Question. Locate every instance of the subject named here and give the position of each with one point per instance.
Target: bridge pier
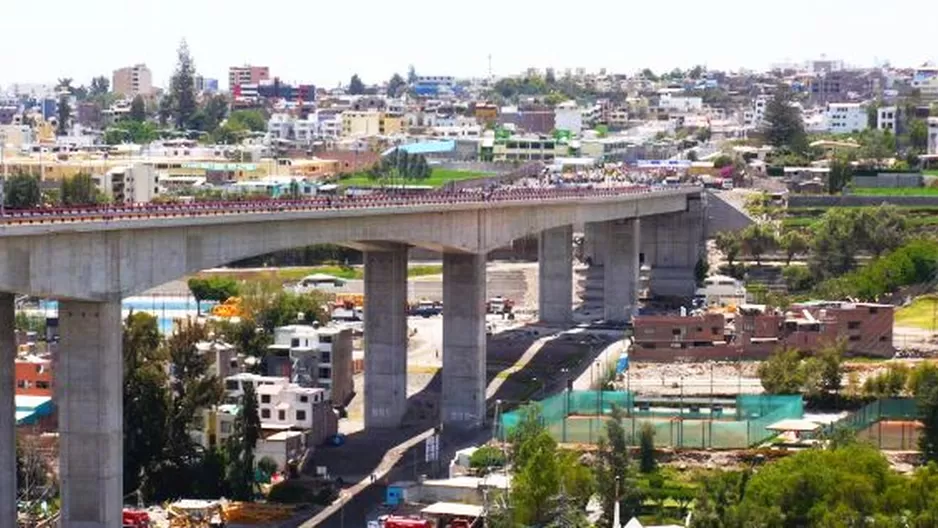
(592, 282)
(89, 398)
(7, 411)
(464, 297)
(385, 336)
(555, 275)
(672, 244)
(620, 283)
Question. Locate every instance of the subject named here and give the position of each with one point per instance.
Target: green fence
(889, 423)
(580, 417)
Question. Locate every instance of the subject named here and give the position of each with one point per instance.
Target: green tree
(824, 372)
(793, 243)
(722, 161)
(835, 242)
(411, 75)
(784, 126)
(782, 373)
(613, 470)
(80, 189)
(882, 229)
(728, 243)
(182, 88)
(646, 443)
(138, 109)
(240, 446)
(926, 399)
(100, 85)
(841, 173)
(649, 75)
(918, 134)
(216, 288)
(289, 308)
(210, 114)
(692, 155)
(64, 115)
(487, 457)
(395, 85)
(254, 120)
(21, 191)
(146, 397)
(758, 239)
(356, 86)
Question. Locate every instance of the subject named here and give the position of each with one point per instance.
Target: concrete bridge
(90, 259)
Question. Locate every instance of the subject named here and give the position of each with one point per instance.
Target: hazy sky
(325, 42)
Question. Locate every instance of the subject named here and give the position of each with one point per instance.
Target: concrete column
(591, 280)
(89, 398)
(7, 412)
(555, 275)
(622, 267)
(672, 245)
(385, 336)
(464, 311)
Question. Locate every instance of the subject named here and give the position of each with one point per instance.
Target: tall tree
(217, 289)
(926, 398)
(64, 115)
(757, 239)
(614, 472)
(395, 85)
(138, 110)
(728, 243)
(182, 88)
(841, 173)
(21, 191)
(918, 134)
(782, 373)
(146, 397)
(80, 189)
(411, 75)
(784, 126)
(793, 243)
(240, 447)
(99, 86)
(356, 86)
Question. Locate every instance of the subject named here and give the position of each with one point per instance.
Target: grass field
(919, 314)
(898, 191)
(345, 272)
(437, 178)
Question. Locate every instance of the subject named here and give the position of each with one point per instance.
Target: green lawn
(437, 178)
(897, 191)
(920, 314)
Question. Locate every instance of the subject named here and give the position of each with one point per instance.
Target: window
(300, 416)
(325, 373)
(325, 338)
(22, 384)
(874, 310)
(295, 342)
(281, 415)
(853, 325)
(42, 384)
(883, 339)
(231, 385)
(226, 428)
(325, 357)
(715, 330)
(265, 398)
(650, 346)
(304, 399)
(265, 414)
(854, 338)
(676, 331)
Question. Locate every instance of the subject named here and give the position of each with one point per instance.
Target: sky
(324, 42)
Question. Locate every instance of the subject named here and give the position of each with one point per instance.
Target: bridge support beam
(592, 279)
(7, 412)
(620, 283)
(385, 336)
(672, 244)
(464, 297)
(555, 275)
(89, 392)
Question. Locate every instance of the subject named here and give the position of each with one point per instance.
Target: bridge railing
(111, 212)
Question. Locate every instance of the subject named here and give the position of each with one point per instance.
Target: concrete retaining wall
(860, 201)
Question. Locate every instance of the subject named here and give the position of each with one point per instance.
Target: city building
(434, 85)
(223, 358)
(247, 74)
(33, 376)
(680, 103)
(721, 290)
(370, 123)
(846, 118)
(131, 184)
(925, 80)
(132, 81)
(533, 120)
(285, 405)
(529, 148)
(886, 118)
(933, 135)
(568, 117)
(314, 357)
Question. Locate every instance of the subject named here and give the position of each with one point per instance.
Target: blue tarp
(425, 147)
(623, 364)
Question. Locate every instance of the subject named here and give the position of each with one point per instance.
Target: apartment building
(846, 118)
(132, 81)
(247, 74)
(568, 116)
(529, 148)
(925, 80)
(33, 376)
(754, 332)
(132, 184)
(674, 103)
(280, 403)
(370, 123)
(533, 120)
(886, 118)
(314, 357)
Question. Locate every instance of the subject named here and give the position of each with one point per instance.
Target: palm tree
(65, 84)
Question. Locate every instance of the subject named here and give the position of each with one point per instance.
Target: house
(314, 357)
(846, 118)
(721, 290)
(886, 117)
(132, 184)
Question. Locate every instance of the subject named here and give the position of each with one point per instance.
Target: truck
(426, 308)
(501, 306)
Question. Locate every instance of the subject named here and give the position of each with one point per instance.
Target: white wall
(845, 118)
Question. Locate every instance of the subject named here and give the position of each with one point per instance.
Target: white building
(755, 116)
(280, 126)
(925, 79)
(933, 135)
(279, 402)
(569, 117)
(846, 118)
(680, 103)
(886, 117)
(721, 290)
(317, 357)
(132, 184)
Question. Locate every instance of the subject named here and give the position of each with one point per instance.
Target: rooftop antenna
(490, 67)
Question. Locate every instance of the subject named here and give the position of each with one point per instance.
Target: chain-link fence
(580, 417)
(888, 423)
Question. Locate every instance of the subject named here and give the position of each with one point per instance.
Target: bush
(295, 492)
(798, 278)
(487, 457)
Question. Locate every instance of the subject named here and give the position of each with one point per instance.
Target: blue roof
(426, 147)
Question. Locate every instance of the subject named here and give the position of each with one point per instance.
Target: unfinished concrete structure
(91, 265)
